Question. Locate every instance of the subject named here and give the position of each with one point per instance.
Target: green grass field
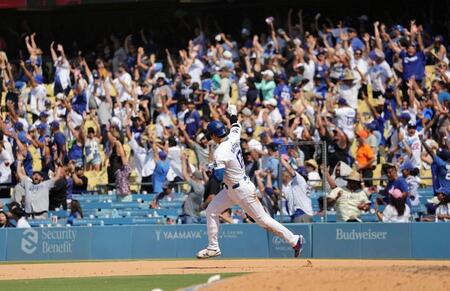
(120, 283)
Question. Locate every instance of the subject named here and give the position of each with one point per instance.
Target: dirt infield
(271, 274)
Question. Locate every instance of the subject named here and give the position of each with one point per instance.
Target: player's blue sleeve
(219, 174)
(439, 162)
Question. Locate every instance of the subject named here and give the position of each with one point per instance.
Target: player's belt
(236, 185)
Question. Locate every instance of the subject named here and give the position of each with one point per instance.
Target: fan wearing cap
(253, 143)
(377, 124)
(282, 92)
(95, 87)
(41, 141)
(76, 151)
(143, 158)
(224, 90)
(199, 145)
(351, 200)
(380, 75)
(314, 179)
(355, 41)
(247, 119)
(410, 174)
(411, 146)
(163, 119)
(397, 210)
(280, 139)
(91, 144)
(38, 92)
(374, 139)
(413, 58)
(62, 73)
(58, 139)
(192, 119)
(399, 124)
(348, 89)
(271, 112)
(267, 85)
(320, 87)
(309, 68)
(21, 143)
(43, 119)
(365, 157)
(36, 189)
(345, 117)
(440, 166)
(162, 164)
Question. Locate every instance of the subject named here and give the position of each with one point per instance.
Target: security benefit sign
(48, 243)
(362, 240)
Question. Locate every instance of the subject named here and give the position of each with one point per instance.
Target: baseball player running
(229, 168)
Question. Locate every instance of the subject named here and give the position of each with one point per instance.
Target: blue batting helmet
(217, 128)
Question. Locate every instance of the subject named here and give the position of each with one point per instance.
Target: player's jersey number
(240, 159)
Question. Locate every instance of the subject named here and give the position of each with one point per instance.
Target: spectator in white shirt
(62, 74)
(36, 190)
(350, 200)
(314, 179)
(397, 210)
(19, 215)
(360, 65)
(6, 159)
(273, 112)
(379, 74)
(143, 159)
(443, 209)
(345, 117)
(297, 193)
(123, 84)
(348, 89)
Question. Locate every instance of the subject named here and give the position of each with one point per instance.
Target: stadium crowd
(377, 97)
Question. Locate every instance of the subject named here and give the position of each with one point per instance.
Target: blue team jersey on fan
(441, 173)
(282, 92)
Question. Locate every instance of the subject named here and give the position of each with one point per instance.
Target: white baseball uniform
(238, 190)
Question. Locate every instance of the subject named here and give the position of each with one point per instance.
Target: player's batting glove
(232, 109)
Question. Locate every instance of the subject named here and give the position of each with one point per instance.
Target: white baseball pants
(245, 197)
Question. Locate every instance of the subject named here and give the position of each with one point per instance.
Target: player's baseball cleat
(298, 247)
(206, 254)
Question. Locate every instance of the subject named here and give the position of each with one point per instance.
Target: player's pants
(245, 197)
